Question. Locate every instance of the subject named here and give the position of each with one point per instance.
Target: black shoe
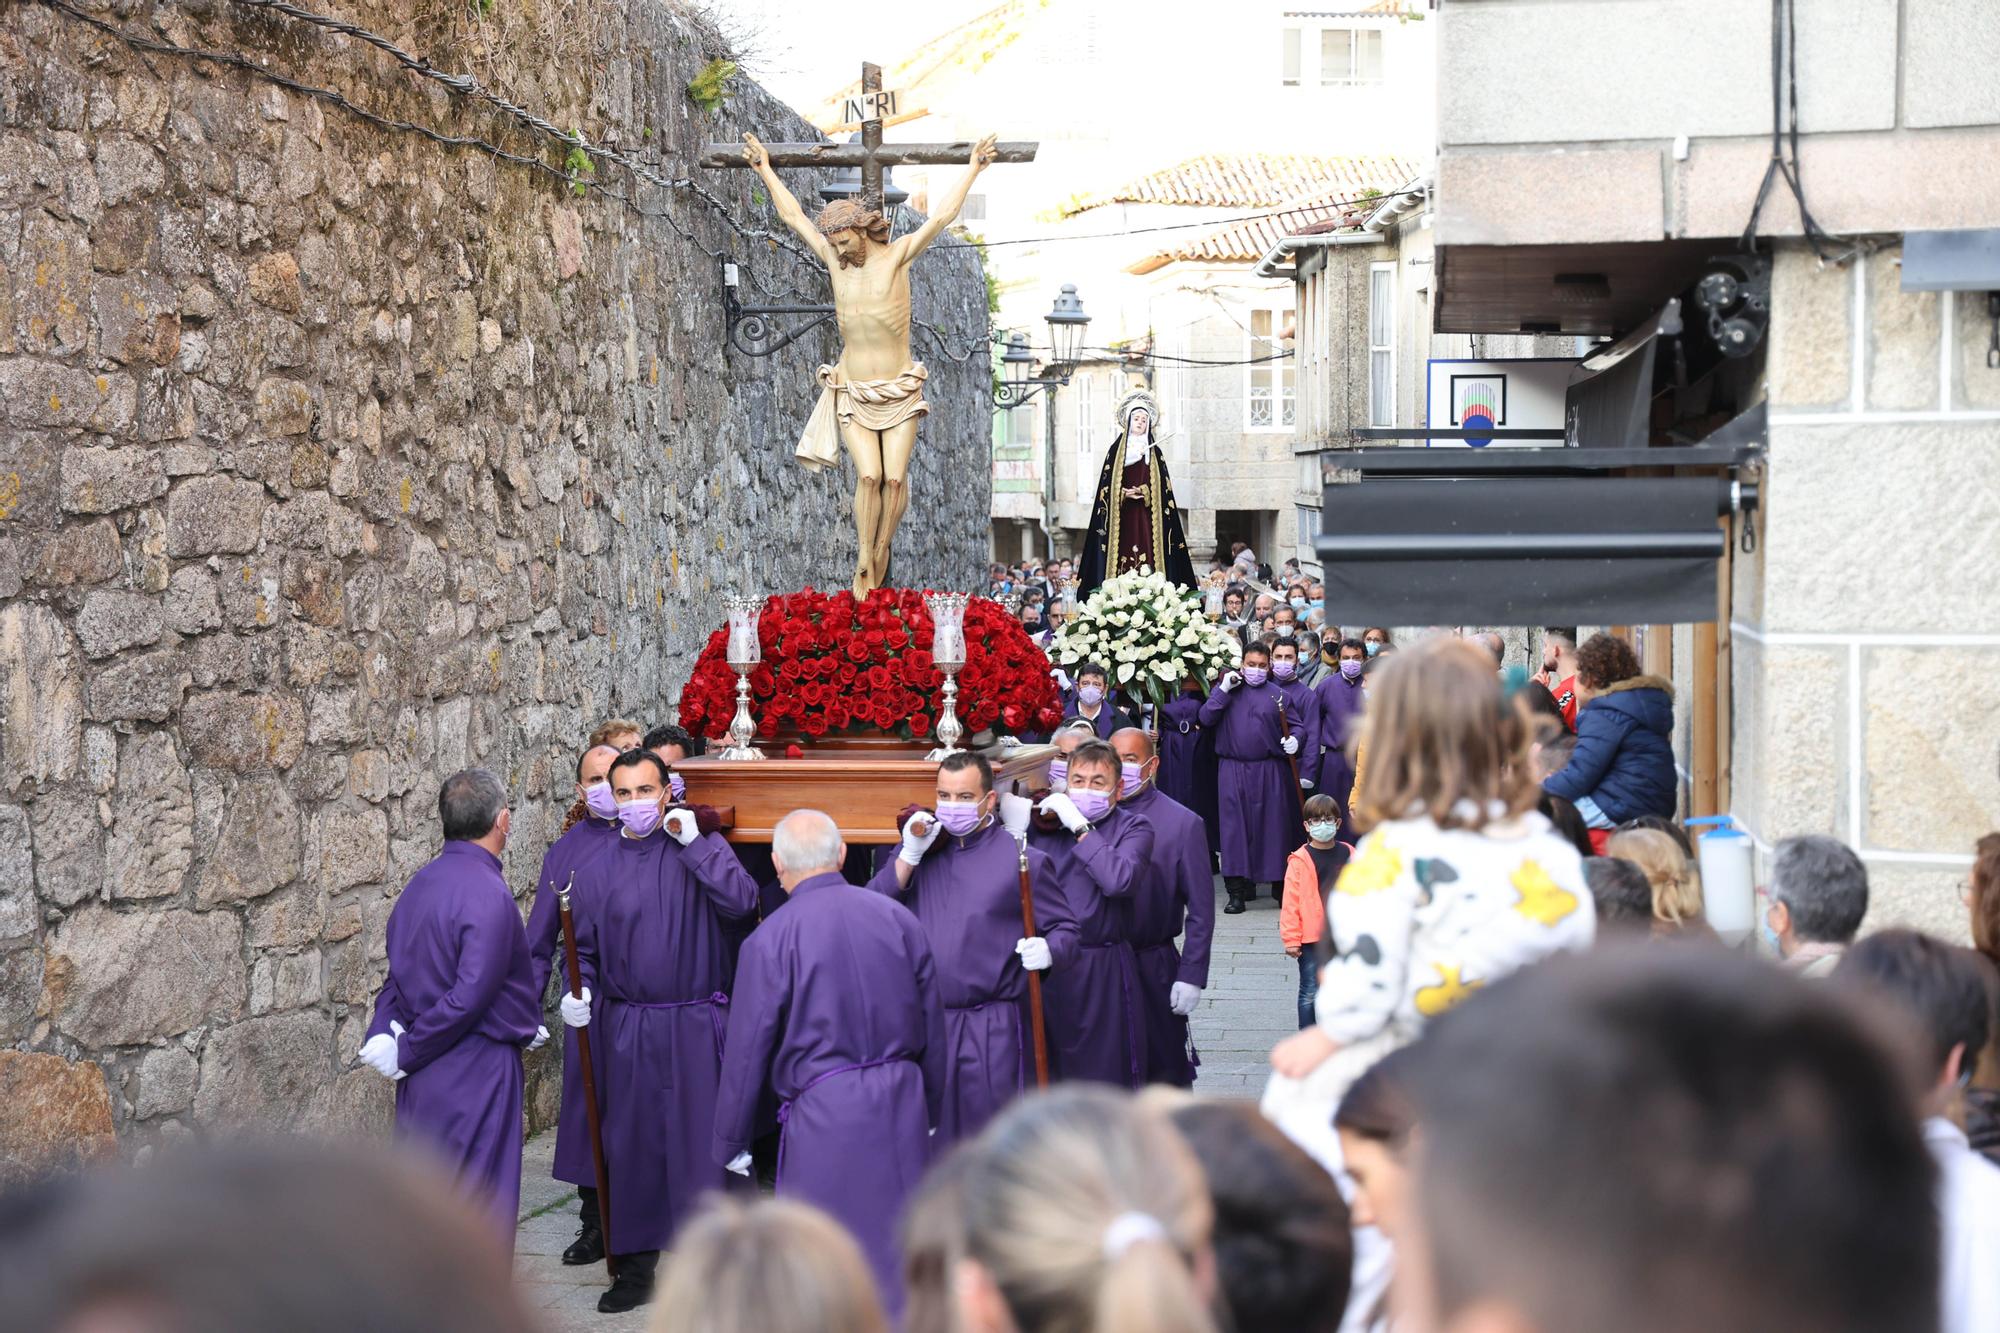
(626, 1294)
(587, 1248)
(1235, 905)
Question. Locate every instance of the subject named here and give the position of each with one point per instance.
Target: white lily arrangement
(1149, 633)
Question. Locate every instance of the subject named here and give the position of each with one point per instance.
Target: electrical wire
(1784, 91)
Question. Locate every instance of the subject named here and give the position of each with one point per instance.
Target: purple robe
(1340, 704)
(1109, 717)
(1177, 892)
(966, 895)
(572, 853)
(1092, 997)
(460, 984)
(837, 1010)
(1187, 761)
(1257, 805)
(653, 946)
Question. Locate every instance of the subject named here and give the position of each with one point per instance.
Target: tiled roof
(1253, 180)
(1247, 240)
(925, 75)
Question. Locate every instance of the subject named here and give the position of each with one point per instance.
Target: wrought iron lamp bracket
(754, 330)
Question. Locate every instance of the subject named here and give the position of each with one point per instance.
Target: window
(1350, 57)
(1294, 56)
(1085, 419)
(1382, 344)
(1272, 403)
(1021, 425)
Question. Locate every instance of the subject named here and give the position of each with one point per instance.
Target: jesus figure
(875, 391)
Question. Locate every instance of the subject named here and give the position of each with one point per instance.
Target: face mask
(1372, 647)
(641, 817)
(1317, 603)
(1090, 695)
(1299, 605)
(600, 802)
(1284, 631)
(959, 817)
(1092, 805)
(1322, 830)
(1058, 774)
(1255, 675)
(1131, 777)
(1284, 670)
(1351, 669)
(677, 786)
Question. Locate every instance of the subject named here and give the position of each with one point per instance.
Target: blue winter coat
(1624, 756)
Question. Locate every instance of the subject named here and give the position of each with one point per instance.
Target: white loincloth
(873, 404)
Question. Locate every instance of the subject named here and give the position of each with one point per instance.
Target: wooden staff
(589, 1079)
(1285, 729)
(1036, 1017)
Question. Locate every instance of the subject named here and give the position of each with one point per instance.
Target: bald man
(593, 835)
(837, 1011)
(1175, 892)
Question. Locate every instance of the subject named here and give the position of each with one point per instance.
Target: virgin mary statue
(1134, 522)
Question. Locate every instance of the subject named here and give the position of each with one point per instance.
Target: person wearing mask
(1559, 670)
(1337, 701)
(594, 837)
(1310, 873)
(836, 1011)
(653, 943)
(458, 1004)
(1819, 895)
(1375, 641)
(674, 744)
(1623, 764)
(1077, 1211)
(1310, 665)
(959, 872)
(1256, 802)
(767, 1267)
(1458, 882)
(1284, 624)
(1940, 993)
(1735, 1149)
(1301, 713)
(1099, 854)
(1176, 896)
(1676, 884)
(1092, 702)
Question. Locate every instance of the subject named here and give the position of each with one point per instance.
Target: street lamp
(1019, 382)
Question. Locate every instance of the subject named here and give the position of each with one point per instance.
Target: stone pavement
(1250, 1003)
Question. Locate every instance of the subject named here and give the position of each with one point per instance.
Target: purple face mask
(1090, 695)
(677, 786)
(641, 817)
(1058, 774)
(1351, 669)
(600, 802)
(1131, 777)
(1255, 675)
(1092, 805)
(958, 817)
(1284, 670)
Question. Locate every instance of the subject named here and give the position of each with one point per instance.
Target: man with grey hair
(459, 1003)
(1819, 893)
(837, 1011)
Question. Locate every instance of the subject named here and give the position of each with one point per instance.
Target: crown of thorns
(847, 215)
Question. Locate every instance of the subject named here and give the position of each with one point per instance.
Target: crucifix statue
(872, 397)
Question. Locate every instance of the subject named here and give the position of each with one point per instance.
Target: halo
(1137, 398)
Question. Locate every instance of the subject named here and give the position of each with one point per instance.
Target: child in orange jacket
(1309, 873)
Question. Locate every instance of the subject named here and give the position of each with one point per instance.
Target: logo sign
(859, 108)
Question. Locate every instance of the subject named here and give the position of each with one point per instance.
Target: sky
(802, 50)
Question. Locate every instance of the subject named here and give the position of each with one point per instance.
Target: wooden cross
(871, 154)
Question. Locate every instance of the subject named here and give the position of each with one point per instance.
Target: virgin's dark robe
(967, 896)
(461, 985)
(1125, 534)
(836, 1010)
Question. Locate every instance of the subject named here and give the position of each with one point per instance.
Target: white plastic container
(1728, 885)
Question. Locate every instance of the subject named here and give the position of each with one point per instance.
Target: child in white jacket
(1466, 883)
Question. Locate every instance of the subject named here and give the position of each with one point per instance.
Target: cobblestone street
(1248, 1005)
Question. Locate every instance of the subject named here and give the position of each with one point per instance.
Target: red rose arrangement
(832, 663)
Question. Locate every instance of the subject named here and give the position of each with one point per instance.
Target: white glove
(576, 1009)
(1306, 783)
(1182, 998)
(1290, 745)
(1062, 807)
(916, 844)
(739, 1164)
(541, 1039)
(1060, 677)
(379, 1054)
(1231, 680)
(680, 823)
(1035, 955)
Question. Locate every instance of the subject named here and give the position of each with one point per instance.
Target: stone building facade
(333, 460)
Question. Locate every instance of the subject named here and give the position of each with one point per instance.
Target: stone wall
(333, 460)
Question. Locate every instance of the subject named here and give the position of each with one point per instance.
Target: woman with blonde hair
(1078, 1210)
(1677, 906)
(767, 1267)
(1459, 881)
